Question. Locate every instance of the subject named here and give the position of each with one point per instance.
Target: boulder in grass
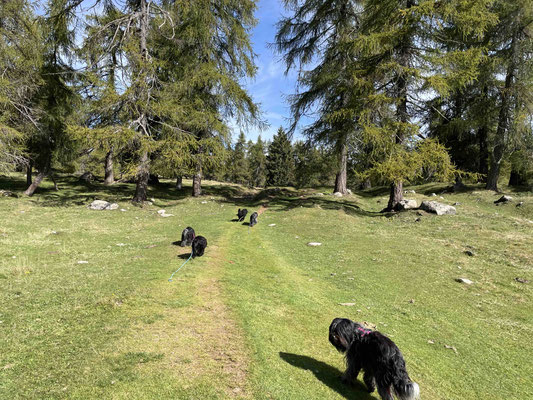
(103, 205)
(337, 194)
(438, 208)
(503, 199)
(406, 204)
(314, 244)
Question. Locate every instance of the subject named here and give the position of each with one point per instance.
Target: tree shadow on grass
(328, 375)
(348, 207)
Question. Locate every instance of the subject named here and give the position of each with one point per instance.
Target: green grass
(250, 318)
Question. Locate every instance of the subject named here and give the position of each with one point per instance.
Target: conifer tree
(56, 97)
(20, 63)
(280, 160)
(240, 169)
(315, 35)
(258, 163)
(399, 60)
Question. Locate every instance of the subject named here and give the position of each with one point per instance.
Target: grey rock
(409, 192)
(406, 204)
(520, 204)
(469, 253)
(314, 244)
(464, 280)
(438, 208)
(103, 205)
(433, 195)
(337, 194)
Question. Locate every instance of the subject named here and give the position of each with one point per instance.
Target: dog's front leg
(368, 378)
(350, 375)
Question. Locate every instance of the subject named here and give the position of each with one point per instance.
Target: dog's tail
(407, 390)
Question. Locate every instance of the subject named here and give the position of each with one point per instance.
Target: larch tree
(20, 63)
(280, 160)
(513, 45)
(56, 97)
(258, 163)
(399, 60)
(313, 40)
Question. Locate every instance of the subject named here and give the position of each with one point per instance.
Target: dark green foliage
(280, 160)
(258, 163)
(239, 164)
(314, 166)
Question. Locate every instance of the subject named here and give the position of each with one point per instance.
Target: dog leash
(170, 279)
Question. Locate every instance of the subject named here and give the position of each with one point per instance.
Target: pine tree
(316, 34)
(280, 160)
(511, 40)
(20, 63)
(240, 172)
(57, 98)
(399, 59)
(258, 163)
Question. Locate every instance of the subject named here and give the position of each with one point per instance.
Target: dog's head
(342, 332)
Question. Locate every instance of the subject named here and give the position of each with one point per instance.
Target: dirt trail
(200, 341)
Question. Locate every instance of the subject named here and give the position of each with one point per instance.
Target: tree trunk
(197, 181)
(483, 162)
(517, 177)
(52, 176)
(109, 177)
(179, 182)
(396, 195)
(402, 114)
(503, 121)
(143, 173)
(35, 184)
(366, 184)
(341, 177)
(29, 169)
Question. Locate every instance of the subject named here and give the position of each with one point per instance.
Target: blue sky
(270, 86)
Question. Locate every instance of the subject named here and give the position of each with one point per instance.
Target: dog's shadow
(177, 243)
(246, 223)
(235, 220)
(184, 256)
(328, 375)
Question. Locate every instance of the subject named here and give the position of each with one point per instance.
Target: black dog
(377, 355)
(187, 236)
(253, 219)
(241, 214)
(198, 246)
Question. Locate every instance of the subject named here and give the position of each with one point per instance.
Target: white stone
(99, 205)
(347, 304)
(407, 204)
(438, 208)
(161, 212)
(314, 244)
(272, 225)
(83, 262)
(337, 194)
(464, 280)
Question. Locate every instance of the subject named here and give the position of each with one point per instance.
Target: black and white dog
(253, 219)
(241, 214)
(198, 246)
(187, 236)
(377, 355)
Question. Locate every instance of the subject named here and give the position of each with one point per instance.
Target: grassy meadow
(87, 311)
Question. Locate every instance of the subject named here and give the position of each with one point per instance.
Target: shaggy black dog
(253, 219)
(377, 355)
(198, 246)
(187, 236)
(241, 214)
